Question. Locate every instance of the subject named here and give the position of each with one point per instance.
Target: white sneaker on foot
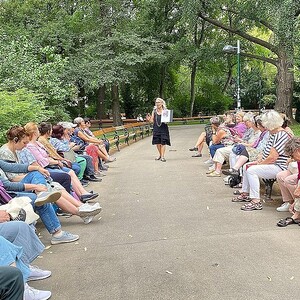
(226, 181)
(211, 168)
(90, 210)
(88, 219)
(33, 294)
(66, 237)
(37, 274)
(209, 162)
(47, 197)
(284, 206)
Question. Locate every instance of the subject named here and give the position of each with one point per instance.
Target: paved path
(169, 232)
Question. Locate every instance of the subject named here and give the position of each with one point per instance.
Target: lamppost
(231, 49)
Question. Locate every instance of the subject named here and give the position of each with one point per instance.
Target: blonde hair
(31, 128)
(163, 102)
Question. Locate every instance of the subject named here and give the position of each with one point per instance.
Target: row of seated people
(45, 165)
(256, 147)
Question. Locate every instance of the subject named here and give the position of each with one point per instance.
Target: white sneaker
(226, 180)
(32, 294)
(66, 237)
(209, 162)
(211, 168)
(88, 211)
(47, 197)
(284, 206)
(88, 219)
(37, 274)
(89, 207)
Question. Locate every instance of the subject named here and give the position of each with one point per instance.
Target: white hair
(249, 116)
(272, 120)
(78, 120)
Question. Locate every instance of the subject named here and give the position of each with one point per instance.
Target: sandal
(237, 192)
(252, 206)
(238, 186)
(242, 197)
(197, 155)
(287, 221)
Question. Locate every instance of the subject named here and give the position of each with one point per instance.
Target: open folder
(167, 116)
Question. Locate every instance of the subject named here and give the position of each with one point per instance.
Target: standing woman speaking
(161, 136)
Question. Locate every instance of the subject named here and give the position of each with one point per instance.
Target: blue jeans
(214, 148)
(46, 212)
(61, 177)
(89, 170)
(76, 168)
(34, 177)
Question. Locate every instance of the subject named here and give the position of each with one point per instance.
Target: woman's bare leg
(201, 139)
(162, 150)
(159, 149)
(67, 206)
(76, 184)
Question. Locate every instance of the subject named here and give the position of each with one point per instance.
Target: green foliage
(25, 65)
(20, 107)
(64, 50)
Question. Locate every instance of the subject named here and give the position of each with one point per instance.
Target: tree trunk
(162, 81)
(193, 77)
(81, 100)
(285, 84)
(101, 103)
(116, 105)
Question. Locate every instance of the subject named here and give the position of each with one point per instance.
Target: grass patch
(296, 129)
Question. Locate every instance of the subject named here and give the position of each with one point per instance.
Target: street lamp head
(229, 49)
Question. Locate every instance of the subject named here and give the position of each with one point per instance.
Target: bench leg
(118, 144)
(268, 190)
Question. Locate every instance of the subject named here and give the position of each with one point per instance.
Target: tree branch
(263, 22)
(266, 59)
(240, 33)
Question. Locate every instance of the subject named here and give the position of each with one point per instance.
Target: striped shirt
(277, 141)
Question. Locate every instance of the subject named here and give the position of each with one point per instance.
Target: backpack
(4, 196)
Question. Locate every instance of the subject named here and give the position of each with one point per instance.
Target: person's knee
(11, 283)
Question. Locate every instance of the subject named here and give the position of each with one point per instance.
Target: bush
(19, 108)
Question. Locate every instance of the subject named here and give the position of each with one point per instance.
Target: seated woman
(34, 181)
(60, 140)
(273, 161)
(21, 246)
(17, 180)
(287, 181)
(94, 147)
(46, 156)
(205, 137)
(221, 137)
(250, 153)
(289, 185)
(88, 124)
(249, 137)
